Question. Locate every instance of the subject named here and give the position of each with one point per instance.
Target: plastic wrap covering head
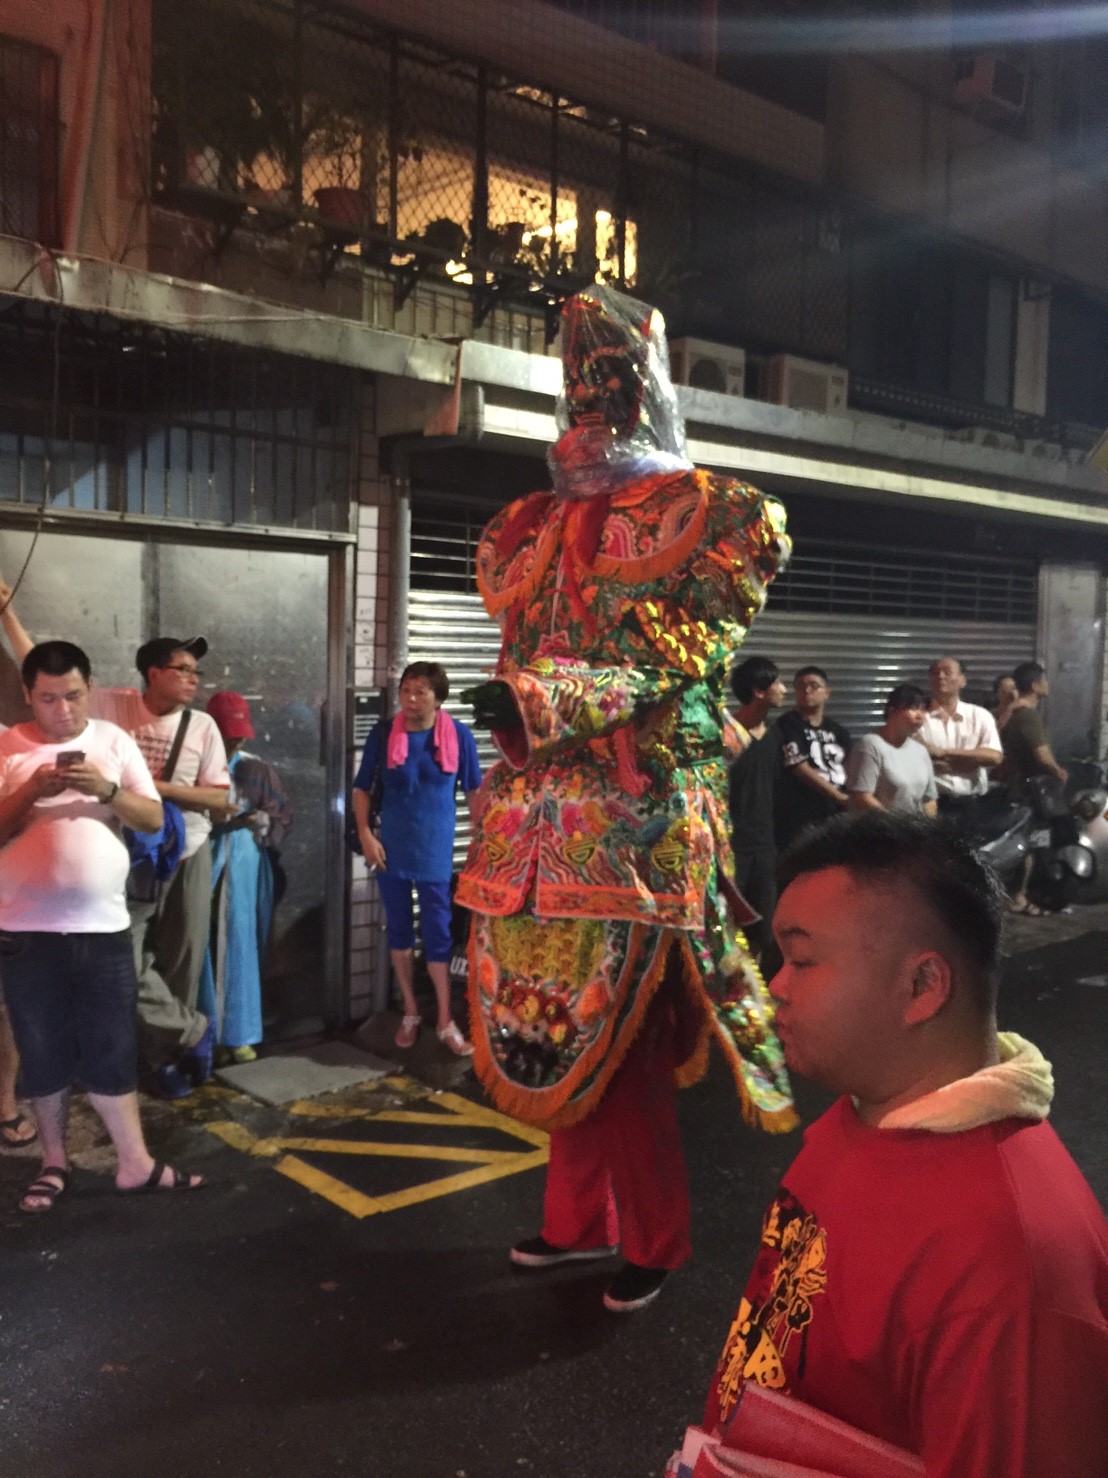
(618, 413)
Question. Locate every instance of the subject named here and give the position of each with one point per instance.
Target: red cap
(232, 715)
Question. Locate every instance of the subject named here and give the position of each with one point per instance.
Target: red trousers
(619, 1175)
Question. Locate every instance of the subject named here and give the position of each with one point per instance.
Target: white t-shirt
(968, 727)
(66, 871)
(203, 759)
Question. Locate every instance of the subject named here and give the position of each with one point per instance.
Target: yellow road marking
(457, 1112)
(400, 1151)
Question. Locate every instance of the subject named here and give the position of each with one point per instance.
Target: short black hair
(890, 847)
(55, 659)
(435, 675)
(1026, 675)
(905, 695)
(161, 649)
(754, 675)
(812, 671)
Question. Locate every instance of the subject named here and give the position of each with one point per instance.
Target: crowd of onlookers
(934, 754)
(130, 824)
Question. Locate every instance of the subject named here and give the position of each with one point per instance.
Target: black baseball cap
(157, 653)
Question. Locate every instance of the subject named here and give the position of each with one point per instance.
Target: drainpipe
(400, 555)
(400, 559)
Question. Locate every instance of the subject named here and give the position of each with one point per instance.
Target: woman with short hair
(410, 773)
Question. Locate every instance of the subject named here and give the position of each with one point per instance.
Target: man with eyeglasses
(170, 930)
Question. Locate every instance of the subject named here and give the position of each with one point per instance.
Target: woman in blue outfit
(245, 839)
(410, 772)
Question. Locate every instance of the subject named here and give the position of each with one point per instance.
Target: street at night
(519, 519)
(258, 1328)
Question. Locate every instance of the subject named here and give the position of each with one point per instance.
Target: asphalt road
(262, 1328)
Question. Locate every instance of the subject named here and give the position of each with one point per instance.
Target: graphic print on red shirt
(776, 1309)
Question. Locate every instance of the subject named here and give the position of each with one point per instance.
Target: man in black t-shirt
(751, 785)
(813, 756)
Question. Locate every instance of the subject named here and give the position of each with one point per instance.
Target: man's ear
(931, 984)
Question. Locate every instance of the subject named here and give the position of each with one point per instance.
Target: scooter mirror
(1089, 804)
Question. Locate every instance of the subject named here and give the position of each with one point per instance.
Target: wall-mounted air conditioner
(996, 441)
(707, 366)
(1046, 451)
(805, 384)
(991, 83)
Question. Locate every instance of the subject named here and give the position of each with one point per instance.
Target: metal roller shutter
(871, 617)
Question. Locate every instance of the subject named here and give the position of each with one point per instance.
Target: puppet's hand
(493, 706)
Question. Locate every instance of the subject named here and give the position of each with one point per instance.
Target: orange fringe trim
(565, 527)
(547, 540)
(547, 1108)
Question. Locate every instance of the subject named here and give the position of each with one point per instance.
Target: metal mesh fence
(314, 130)
(290, 119)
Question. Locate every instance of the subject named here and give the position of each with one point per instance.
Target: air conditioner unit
(707, 366)
(991, 83)
(805, 384)
(1046, 451)
(996, 441)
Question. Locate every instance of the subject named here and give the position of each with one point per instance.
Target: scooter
(1066, 838)
(1075, 867)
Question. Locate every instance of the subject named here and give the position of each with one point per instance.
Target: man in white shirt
(961, 738)
(68, 784)
(171, 931)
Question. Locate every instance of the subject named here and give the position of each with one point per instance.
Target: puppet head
(618, 411)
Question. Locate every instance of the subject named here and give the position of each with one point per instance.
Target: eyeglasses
(188, 671)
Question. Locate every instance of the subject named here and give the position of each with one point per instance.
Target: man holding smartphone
(185, 754)
(68, 784)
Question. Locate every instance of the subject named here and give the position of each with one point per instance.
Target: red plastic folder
(771, 1435)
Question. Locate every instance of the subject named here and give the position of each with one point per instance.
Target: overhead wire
(54, 415)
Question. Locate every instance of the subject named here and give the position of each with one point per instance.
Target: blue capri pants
(434, 916)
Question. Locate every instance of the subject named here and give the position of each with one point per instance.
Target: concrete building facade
(282, 278)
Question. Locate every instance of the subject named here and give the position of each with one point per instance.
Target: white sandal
(409, 1030)
(452, 1039)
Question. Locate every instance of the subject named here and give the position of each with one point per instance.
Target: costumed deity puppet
(604, 948)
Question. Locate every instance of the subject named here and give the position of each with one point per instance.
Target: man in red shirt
(934, 1267)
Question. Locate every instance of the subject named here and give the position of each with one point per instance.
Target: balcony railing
(301, 124)
(275, 116)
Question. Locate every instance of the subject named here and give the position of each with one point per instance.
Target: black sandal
(9, 1128)
(43, 1189)
(180, 1182)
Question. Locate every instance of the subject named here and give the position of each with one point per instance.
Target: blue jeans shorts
(73, 1004)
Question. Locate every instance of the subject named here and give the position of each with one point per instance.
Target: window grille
(169, 426)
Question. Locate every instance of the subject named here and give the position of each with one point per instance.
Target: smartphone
(67, 757)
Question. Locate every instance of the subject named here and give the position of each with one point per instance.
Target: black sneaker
(633, 1288)
(537, 1252)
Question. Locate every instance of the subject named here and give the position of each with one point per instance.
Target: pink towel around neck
(444, 740)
